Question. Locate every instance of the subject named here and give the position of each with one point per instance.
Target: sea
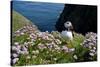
(44, 15)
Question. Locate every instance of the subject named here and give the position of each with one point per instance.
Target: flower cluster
(91, 43)
(43, 47)
(18, 49)
(26, 29)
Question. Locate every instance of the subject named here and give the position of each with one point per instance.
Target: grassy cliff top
(18, 21)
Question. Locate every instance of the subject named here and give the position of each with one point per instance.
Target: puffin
(68, 32)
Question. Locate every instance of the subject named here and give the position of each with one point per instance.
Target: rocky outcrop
(83, 18)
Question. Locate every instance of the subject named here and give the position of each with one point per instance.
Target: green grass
(21, 39)
(18, 21)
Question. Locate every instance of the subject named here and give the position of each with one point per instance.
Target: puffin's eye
(67, 23)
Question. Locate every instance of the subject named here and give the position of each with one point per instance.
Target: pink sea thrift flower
(41, 46)
(49, 45)
(14, 48)
(24, 48)
(58, 41)
(15, 60)
(15, 55)
(33, 36)
(65, 48)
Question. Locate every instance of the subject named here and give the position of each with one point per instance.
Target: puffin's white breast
(67, 34)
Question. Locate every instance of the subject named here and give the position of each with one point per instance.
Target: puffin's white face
(67, 24)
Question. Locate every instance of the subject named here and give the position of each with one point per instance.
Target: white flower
(15, 60)
(58, 41)
(94, 48)
(33, 36)
(55, 59)
(51, 36)
(72, 49)
(57, 48)
(93, 51)
(75, 57)
(22, 33)
(28, 57)
(34, 56)
(81, 44)
(91, 54)
(16, 43)
(15, 55)
(26, 44)
(65, 48)
(45, 38)
(32, 40)
(41, 46)
(14, 48)
(24, 52)
(90, 47)
(40, 34)
(35, 52)
(53, 43)
(18, 31)
(19, 51)
(33, 44)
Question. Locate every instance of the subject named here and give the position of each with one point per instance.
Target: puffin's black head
(68, 25)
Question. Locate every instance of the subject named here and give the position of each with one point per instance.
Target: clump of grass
(21, 39)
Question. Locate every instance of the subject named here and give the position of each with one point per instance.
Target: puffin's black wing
(71, 28)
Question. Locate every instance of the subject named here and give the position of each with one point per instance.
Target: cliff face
(83, 18)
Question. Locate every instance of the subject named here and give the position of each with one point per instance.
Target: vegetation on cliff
(32, 47)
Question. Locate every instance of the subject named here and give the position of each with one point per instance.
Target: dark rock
(83, 18)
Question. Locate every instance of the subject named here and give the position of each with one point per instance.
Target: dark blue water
(44, 15)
